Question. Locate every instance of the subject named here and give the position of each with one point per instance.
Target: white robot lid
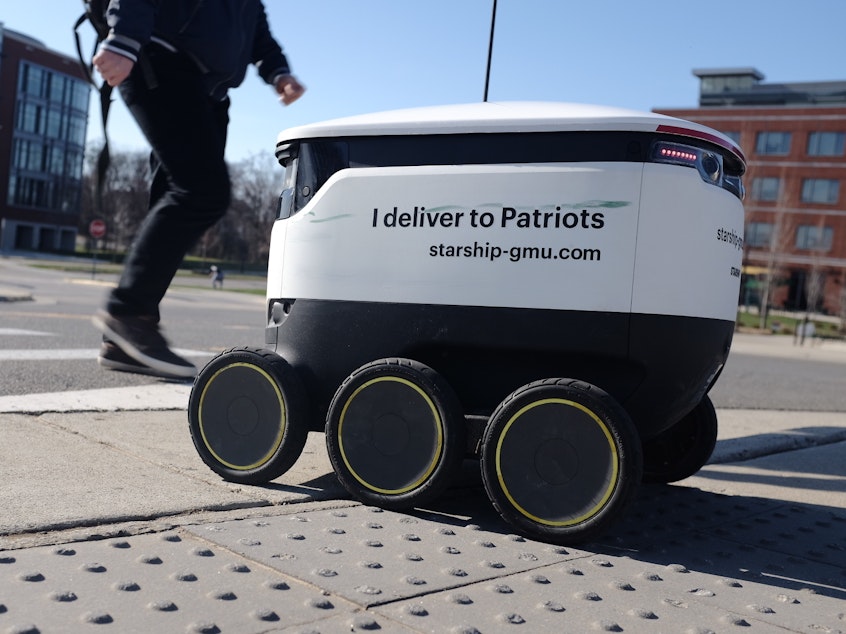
(500, 117)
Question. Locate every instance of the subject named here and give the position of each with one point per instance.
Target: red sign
(97, 228)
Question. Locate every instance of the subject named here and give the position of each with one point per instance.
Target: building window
(32, 80)
(766, 188)
(76, 129)
(73, 165)
(814, 238)
(55, 160)
(30, 192)
(29, 118)
(35, 161)
(820, 190)
(53, 127)
(758, 234)
(826, 143)
(777, 143)
(57, 88)
(79, 96)
(28, 155)
(734, 136)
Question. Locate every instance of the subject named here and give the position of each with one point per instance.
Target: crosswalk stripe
(71, 354)
(20, 332)
(160, 396)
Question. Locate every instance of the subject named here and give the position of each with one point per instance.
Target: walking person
(173, 62)
(216, 274)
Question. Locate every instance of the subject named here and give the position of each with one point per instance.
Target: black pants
(190, 191)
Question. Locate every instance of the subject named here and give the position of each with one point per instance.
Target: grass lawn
(786, 325)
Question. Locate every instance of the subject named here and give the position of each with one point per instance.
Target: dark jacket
(222, 36)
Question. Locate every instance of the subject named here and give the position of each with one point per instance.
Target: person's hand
(288, 89)
(113, 68)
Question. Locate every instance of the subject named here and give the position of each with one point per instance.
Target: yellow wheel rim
(612, 448)
(282, 418)
(438, 445)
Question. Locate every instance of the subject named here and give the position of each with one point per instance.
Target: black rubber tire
(395, 434)
(683, 449)
(247, 415)
(561, 460)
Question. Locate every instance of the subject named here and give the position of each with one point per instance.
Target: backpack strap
(103, 158)
(102, 29)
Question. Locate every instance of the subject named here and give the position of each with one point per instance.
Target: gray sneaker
(140, 340)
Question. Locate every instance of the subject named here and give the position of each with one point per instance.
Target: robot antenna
(490, 51)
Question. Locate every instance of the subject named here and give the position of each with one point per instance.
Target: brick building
(44, 100)
(793, 136)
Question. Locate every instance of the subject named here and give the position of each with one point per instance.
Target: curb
(734, 450)
(5, 297)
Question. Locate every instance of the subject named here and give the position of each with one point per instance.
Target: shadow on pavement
(712, 539)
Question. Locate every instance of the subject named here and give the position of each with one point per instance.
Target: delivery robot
(549, 288)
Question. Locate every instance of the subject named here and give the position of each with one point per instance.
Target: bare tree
(843, 308)
(814, 283)
(125, 195)
(775, 256)
(129, 187)
(243, 235)
(257, 185)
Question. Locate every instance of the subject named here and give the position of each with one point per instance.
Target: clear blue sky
(372, 55)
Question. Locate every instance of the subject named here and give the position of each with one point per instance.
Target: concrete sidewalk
(785, 346)
(62, 470)
(105, 514)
